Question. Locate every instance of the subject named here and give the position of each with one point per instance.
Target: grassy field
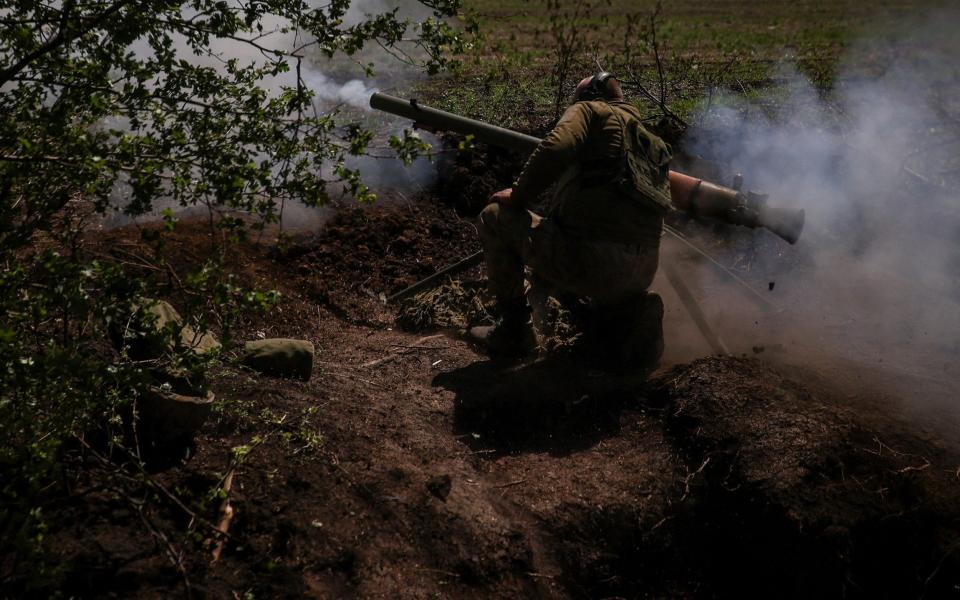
(515, 74)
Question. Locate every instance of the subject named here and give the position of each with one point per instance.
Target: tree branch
(62, 37)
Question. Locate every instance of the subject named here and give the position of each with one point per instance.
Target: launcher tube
(439, 119)
(688, 194)
(682, 187)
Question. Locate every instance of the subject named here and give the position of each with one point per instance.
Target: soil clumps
(410, 467)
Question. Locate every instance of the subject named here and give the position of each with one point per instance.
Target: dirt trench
(725, 479)
(717, 478)
(437, 473)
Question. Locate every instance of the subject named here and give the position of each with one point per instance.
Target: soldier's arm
(553, 155)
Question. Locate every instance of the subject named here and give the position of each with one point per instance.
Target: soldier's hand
(503, 197)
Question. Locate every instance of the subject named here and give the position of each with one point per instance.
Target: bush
(109, 106)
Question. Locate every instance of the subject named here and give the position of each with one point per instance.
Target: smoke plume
(875, 163)
(338, 84)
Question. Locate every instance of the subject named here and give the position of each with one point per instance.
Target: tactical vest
(643, 174)
(620, 192)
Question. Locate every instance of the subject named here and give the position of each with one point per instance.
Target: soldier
(600, 238)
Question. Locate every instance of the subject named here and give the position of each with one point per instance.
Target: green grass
(738, 46)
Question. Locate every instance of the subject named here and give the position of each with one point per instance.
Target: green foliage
(409, 146)
(57, 377)
(112, 105)
(99, 93)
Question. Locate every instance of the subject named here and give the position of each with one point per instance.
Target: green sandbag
(148, 342)
(280, 357)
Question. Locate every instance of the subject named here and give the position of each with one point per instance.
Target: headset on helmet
(595, 90)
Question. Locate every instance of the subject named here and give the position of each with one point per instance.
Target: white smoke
(355, 93)
(876, 165)
(337, 84)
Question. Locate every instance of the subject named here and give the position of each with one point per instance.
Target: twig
(635, 83)
(409, 347)
(660, 523)
(922, 467)
(65, 35)
(690, 476)
(510, 484)
(881, 446)
(150, 482)
(368, 382)
(742, 87)
(471, 453)
(226, 514)
(926, 582)
(656, 52)
(163, 489)
(661, 100)
(713, 82)
(406, 350)
(540, 575)
(120, 261)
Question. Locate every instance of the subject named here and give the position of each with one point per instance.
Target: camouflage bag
(644, 175)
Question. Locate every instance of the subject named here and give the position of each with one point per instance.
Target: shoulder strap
(628, 141)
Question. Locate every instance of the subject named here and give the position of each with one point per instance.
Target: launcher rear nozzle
(749, 209)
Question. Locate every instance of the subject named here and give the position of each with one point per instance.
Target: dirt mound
(801, 484)
(470, 178)
(363, 255)
(743, 483)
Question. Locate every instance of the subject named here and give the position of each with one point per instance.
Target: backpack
(644, 173)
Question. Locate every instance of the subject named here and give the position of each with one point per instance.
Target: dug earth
(411, 467)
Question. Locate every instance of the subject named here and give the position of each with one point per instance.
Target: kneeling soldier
(600, 238)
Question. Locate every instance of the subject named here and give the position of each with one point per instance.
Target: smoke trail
(355, 93)
(337, 84)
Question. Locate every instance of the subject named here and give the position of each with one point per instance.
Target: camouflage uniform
(594, 241)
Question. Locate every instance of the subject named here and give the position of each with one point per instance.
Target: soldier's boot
(512, 337)
(631, 334)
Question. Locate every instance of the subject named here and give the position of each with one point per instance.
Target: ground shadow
(550, 405)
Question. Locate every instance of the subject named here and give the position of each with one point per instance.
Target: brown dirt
(441, 474)
(362, 254)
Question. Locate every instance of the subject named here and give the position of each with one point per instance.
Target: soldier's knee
(490, 212)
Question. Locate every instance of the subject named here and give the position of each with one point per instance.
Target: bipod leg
(693, 309)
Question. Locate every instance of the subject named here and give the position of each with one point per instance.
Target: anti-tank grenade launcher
(695, 196)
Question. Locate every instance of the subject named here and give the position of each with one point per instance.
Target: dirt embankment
(411, 467)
